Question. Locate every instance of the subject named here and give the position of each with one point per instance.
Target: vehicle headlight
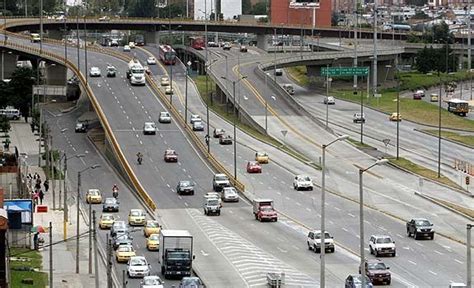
(418, 230)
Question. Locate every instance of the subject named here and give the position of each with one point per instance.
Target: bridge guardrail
(109, 134)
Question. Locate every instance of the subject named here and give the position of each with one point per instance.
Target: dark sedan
(110, 205)
(122, 239)
(185, 187)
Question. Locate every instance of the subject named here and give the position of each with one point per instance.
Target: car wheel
(376, 253)
(394, 254)
(408, 233)
(333, 249)
(415, 235)
(432, 237)
(315, 249)
(310, 188)
(309, 246)
(389, 281)
(371, 250)
(318, 250)
(259, 219)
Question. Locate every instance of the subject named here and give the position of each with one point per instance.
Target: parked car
(302, 182)
(329, 100)
(218, 132)
(137, 266)
(225, 139)
(377, 271)
(149, 128)
(104, 18)
(151, 60)
(314, 241)
(355, 281)
(420, 227)
(152, 282)
(261, 157)
(253, 167)
(110, 205)
(382, 245)
(106, 221)
(358, 117)
(94, 72)
(198, 126)
(170, 156)
(136, 217)
(219, 181)
(229, 194)
(165, 117)
(93, 196)
(185, 187)
(395, 117)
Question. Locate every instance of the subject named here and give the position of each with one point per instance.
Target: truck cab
(263, 210)
(176, 253)
(212, 206)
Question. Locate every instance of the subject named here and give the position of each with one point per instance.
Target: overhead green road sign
(344, 71)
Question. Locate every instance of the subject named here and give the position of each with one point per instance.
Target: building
(282, 13)
(229, 8)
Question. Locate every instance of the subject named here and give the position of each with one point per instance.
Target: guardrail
(105, 124)
(199, 144)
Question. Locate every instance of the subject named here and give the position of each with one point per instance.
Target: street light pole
(439, 126)
(327, 96)
(398, 115)
(361, 217)
(323, 209)
(188, 64)
(469, 260)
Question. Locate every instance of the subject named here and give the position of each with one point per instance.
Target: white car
(382, 245)
(229, 194)
(104, 18)
(278, 72)
(164, 117)
(94, 72)
(126, 48)
(329, 100)
(165, 81)
(131, 44)
(149, 128)
(195, 118)
(151, 281)
(169, 91)
(137, 266)
(151, 61)
(302, 182)
(314, 241)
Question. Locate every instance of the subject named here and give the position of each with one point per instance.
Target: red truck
(263, 210)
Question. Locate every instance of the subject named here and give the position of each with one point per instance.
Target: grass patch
(415, 110)
(40, 278)
(299, 74)
(357, 143)
(220, 109)
(422, 171)
(462, 209)
(417, 80)
(465, 139)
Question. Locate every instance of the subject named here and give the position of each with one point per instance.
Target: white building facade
(229, 8)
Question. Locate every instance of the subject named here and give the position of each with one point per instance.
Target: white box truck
(176, 253)
(136, 72)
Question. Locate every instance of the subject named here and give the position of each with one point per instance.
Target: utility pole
(469, 260)
(41, 26)
(96, 251)
(124, 279)
(356, 18)
(77, 220)
(51, 163)
(50, 254)
(66, 208)
(374, 69)
(90, 237)
(109, 261)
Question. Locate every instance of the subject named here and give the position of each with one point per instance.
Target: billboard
(295, 4)
(23, 206)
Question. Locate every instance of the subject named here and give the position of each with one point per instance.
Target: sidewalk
(64, 253)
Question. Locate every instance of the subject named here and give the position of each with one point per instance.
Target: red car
(254, 167)
(171, 156)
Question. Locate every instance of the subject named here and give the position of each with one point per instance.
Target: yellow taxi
(261, 157)
(395, 117)
(153, 242)
(136, 217)
(124, 252)
(151, 227)
(93, 196)
(106, 221)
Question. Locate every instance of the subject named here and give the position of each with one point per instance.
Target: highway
(172, 135)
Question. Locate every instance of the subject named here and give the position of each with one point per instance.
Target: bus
(167, 55)
(196, 43)
(458, 106)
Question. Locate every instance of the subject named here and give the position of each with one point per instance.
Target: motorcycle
(115, 192)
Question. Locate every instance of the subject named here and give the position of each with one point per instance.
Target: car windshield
(136, 213)
(152, 281)
(261, 154)
(221, 177)
(149, 125)
(137, 262)
(357, 280)
(185, 183)
(93, 192)
(110, 201)
(318, 235)
(107, 217)
(213, 202)
(384, 240)
(376, 266)
(253, 163)
(154, 237)
(125, 248)
(190, 281)
(305, 178)
(164, 114)
(266, 209)
(422, 223)
(230, 190)
(170, 152)
(151, 59)
(152, 224)
(119, 224)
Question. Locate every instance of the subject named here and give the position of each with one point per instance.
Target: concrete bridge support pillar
(262, 41)
(55, 34)
(314, 75)
(151, 37)
(8, 64)
(55, 74)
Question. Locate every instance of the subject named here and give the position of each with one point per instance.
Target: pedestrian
(37, 186)
(36, 176)
(46, 185)
(36, 241)
(35, 197)
(41, 196)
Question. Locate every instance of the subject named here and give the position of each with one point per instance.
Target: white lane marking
(421, 245)
(432, 272)
(436, 251)
(460, 262)
(204, 253)
(352, 215)
(282, 250)
(298, 203)
(414, 263)
(279, 193)
(344, 229)
(400, 236)
(185, 204)
(141, 143)
(179, 197)
(168, 185)
(338, 209)
(309, 210)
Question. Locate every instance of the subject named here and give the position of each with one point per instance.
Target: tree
(260, 8)
(20, 86)
(246, 7)
(424, 60)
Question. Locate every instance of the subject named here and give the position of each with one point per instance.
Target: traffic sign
(284, 132)
(344, 71)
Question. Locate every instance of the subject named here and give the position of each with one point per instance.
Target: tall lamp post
(361, 211)
(77, 211)
(323, 213)
(188, 65)
(235, 120)
(469, 263)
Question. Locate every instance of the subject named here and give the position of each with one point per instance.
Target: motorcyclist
(139, 158)
(115, 190)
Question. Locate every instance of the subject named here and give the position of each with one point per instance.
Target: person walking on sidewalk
(46, 185)
(41, 196)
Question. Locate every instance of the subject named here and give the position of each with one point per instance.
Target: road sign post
(344, 71)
